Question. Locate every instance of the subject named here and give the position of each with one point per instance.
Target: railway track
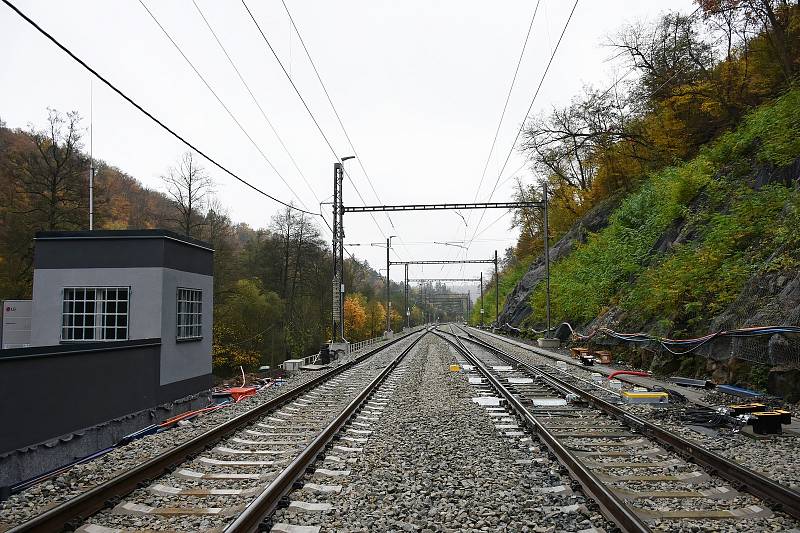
(232, 477)
(639, 473)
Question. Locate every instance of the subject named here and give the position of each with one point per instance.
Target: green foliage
(699, 279)
(733, 233)
(242, 326)
(508, 280)
(585, 281)
(770, 134)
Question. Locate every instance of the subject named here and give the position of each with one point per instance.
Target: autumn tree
(417, 316)
(244, 325)
(774, 20)
(669, 54)
(189, 187)
(376, 318)
(397, 320)
(355, 318)
(219, 232)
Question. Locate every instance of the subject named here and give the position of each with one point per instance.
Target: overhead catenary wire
(227, 109)
(609, 89)
(359, 160)
(308, 109)
(528, 112)
(333, 107)
(508, 98)
(255, 100)
(149, 115)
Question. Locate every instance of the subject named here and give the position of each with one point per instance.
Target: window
(190, 314)
(95, 314)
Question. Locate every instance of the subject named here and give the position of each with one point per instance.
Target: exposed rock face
(784, 382)
(517, 305)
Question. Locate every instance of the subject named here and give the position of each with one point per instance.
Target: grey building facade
(121, 327)
(124, 286)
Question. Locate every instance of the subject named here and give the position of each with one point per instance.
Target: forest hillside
(272, 297)
(675, 197)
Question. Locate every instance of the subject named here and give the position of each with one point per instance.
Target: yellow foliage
(355, 317)
(227, 355)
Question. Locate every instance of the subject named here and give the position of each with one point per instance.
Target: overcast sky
(419, 86)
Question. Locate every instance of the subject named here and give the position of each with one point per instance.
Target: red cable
(629, 373)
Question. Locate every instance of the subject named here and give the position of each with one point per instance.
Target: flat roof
(122, 234)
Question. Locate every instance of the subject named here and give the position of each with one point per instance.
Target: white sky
(419, 86)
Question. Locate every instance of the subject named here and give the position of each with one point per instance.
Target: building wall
(145, 306)
(52, 391)
(185, 359)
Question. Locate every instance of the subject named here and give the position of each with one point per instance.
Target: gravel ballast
(436, 462)
(776, 457)
(82, 477)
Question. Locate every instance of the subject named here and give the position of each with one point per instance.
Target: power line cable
(609, 89)
(530, 107)
(255, 100)
(335, 112)
(341, 124)
(308, 109)
(147, 113)
(508, 98)
(233, 117)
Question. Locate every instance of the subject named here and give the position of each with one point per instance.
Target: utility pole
(496, 293)
(481, 299)
(546, 260)
(408, 311)
(388, 302)
(337, 325)
(91, 155)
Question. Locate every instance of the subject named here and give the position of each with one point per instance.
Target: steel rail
(779, 496)
(265, 503)
(74, 511)
(612, 506)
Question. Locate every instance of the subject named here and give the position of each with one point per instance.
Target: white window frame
(105, 314)
(189, 314)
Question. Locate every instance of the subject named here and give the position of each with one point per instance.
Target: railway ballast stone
(436, 462)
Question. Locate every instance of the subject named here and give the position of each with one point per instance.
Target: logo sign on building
(16, 331)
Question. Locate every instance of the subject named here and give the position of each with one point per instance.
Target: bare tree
(52, 174)
(563, 145)
(189, 186)
(772, 17)
(669, 54)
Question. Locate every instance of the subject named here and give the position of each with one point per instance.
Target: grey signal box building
(104, 286)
